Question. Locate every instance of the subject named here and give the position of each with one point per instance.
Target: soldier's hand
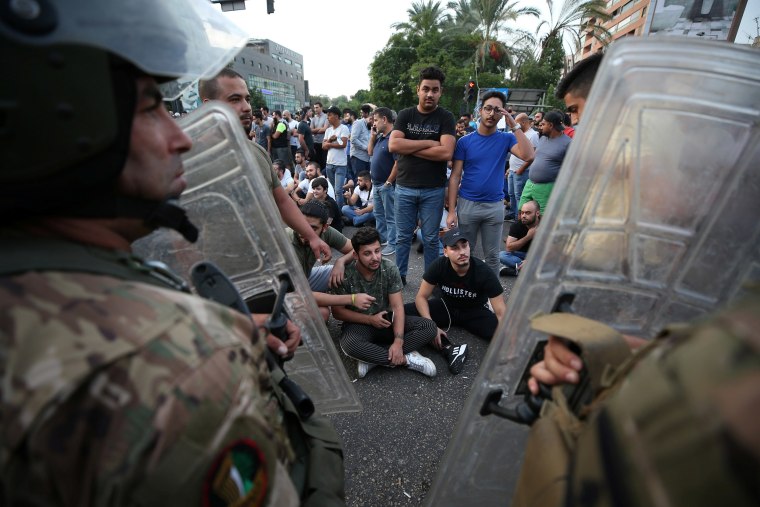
(322, 250)
(559, 365)
(363, 300)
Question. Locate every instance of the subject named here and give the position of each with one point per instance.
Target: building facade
(275, 70)
(628, 19)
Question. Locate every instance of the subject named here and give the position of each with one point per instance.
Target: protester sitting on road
(283, 173)
(382, 334)
(520, 236)
(361, 202)
(319, 193)
(467, 286)
(302, 193)
(321, 278)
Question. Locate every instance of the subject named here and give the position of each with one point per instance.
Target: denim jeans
(511, 259)
(358, 165)
(350, 212)
(385, 216)
(516, 185)
(336, 174)
(411, 204)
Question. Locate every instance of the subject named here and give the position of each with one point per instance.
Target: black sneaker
(507, 271)
(456, 355)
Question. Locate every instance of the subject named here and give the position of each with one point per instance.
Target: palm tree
(489, 21)
(425, 18)
(574, 20)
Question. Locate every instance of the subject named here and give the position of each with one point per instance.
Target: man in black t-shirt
(519, 239)
(305, 137)
(467, 287)
(424, 138)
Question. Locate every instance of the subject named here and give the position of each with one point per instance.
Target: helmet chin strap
(170, 214)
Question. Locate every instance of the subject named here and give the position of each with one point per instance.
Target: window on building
(242, 59)
(259, 65)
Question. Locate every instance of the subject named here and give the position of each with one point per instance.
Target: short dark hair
(468, 115)
(384, 112)
(578, 81)
(364, 236)
(365, 175)
(265, 108)
(315, 164)
(555, 118)
(257, 115)
(279, 163)
(209, 89)
(315, 209)
(318, 104)
(366, 108)
(533, 202)
(334, 110)
(320, 181)
(492, 94)
(432, 73)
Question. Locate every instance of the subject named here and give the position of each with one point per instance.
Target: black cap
(451, 237)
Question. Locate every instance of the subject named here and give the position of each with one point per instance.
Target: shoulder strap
(19, 254)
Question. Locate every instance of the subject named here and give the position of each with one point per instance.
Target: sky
(339, 39)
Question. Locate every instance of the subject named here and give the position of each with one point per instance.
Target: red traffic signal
(470, 91)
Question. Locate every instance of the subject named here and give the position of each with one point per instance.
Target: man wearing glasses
(479, 161)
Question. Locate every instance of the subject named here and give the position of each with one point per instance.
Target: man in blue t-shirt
(467, 287)
(479, 162)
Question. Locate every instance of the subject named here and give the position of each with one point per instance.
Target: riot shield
(241, 231)
(655, 218)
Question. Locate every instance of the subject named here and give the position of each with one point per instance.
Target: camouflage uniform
(118, 392)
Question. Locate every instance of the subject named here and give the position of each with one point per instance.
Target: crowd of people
(416, 174)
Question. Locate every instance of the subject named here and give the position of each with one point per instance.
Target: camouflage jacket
(117, 392)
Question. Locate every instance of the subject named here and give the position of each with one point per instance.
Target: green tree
(425, 19)
(257, 98)
(573, 21)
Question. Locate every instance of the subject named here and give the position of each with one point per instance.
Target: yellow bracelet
(353, 299)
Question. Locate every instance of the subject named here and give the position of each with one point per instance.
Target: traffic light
(470, 91)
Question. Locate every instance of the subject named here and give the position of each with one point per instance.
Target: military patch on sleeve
(237, 477)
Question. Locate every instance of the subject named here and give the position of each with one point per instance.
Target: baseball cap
(451, 237)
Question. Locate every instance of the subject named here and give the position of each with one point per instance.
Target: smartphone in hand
(388, 316)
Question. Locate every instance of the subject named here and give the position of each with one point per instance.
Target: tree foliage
(477, 40)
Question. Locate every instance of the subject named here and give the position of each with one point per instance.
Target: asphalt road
(393, 447)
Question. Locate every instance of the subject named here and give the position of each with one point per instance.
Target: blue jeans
(511, 259)
(516, 184)
(350, 212)
(358, 165)
(336, 174)
(385, 216)
(440, 243)
(425, 204)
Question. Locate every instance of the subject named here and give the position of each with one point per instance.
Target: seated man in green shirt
(380, 334)
(325, 276)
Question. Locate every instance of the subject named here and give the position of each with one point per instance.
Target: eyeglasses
(491, 109)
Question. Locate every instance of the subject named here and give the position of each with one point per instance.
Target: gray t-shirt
(548, 158)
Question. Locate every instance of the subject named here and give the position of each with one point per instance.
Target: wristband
(353, 299)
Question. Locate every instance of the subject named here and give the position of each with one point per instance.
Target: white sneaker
(417, 362)
(363, 368)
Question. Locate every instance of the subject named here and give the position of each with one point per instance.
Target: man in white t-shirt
(303, 193)
(518, 168)
(334, 143)
(360, 202)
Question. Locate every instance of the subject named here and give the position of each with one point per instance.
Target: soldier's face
(153, 169)
(575, 105)
(234, 92)
(459, 253)
(369, 256)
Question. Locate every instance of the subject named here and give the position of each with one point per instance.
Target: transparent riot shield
(241, 231)
(655, 218)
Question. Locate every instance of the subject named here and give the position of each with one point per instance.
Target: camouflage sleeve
(134, 395)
